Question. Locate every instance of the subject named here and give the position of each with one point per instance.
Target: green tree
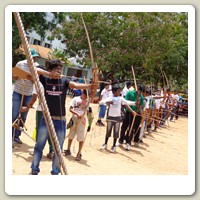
(59, 54)
(150, 42)
(34, 21)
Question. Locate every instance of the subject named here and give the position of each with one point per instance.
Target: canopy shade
(42, 51)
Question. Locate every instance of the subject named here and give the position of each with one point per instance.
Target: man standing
(137, 97)
(55, 94)
(175, 99)
(22, 91)
(126, 88)
(106, 92)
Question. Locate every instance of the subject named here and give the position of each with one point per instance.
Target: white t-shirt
(115, 107)
(176, 97)
(79, 105)
(148, 98)
(124, 91)
(22, 86)
(158, 103)
(105, 93)
(166, 102)
(147, 103)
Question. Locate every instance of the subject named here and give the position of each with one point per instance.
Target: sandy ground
(162, 153)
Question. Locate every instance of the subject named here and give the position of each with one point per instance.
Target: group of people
(55, 87)
(128, 114)
(146, 110)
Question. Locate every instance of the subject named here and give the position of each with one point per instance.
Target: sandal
(50, 155)
(67, 152)
(78, 157)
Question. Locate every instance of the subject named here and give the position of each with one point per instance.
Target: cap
(34, 53)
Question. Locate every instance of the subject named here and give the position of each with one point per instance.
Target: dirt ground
(163, 153)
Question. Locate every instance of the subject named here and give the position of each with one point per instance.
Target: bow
(131, 128)
(166, 79)
(95, 69)
(94, 80)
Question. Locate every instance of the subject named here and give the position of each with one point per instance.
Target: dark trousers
(165, 115)
(125, 126)
(174, 112)
(135, 134)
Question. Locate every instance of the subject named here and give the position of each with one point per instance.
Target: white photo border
(104, 185)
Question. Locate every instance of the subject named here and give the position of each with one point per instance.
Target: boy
(114, 115)
(55, 94)
(106, 92)
(78, 107)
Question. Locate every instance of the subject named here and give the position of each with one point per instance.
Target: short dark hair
(84, 92)
(51, 64)
(144, 89)
(140, 88)
(128, 83)
(148, 91)
(114, 89)
(106, 83)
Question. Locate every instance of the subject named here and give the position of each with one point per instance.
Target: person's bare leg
(67, 152)
(80, 147)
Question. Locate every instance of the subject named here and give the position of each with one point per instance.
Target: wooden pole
(134, 78)
(41, 97)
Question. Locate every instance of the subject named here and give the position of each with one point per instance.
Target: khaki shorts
(78, 129)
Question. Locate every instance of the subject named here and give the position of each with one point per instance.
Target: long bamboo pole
(41, 97)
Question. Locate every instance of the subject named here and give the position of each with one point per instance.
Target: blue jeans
(102, 111)
(60, 128)
(16, 103)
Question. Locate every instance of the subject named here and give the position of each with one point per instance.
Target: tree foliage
(150, 42)
(59, 54)
(34, 21)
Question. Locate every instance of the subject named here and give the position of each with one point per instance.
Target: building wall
(41, 61)
(33, 38)
(70, 71)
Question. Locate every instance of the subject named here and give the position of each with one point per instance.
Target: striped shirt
(24, 86)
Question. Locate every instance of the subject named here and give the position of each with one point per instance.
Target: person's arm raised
(53, 75)
(80, 86)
